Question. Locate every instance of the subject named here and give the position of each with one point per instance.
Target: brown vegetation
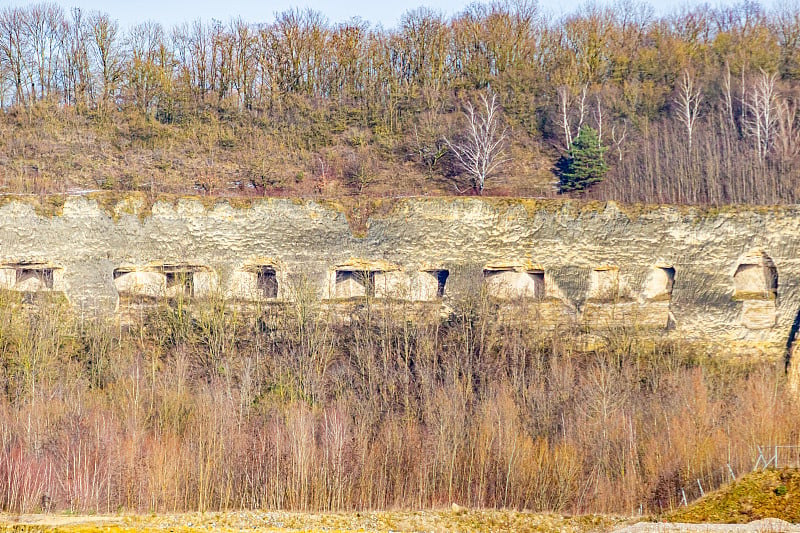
(207, 406)
(204, 406)
(696, 106)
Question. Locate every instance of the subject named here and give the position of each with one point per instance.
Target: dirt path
(56, 520)
(462, 520)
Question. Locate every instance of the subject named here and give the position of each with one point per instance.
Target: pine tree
(584, 164)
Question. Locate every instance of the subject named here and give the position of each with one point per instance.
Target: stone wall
(728, 278)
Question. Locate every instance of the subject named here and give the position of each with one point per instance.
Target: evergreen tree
(584, 164)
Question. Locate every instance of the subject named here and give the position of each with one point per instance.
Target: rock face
(728, 278)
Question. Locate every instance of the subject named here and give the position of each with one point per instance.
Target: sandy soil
(462, 520)
(55, 520)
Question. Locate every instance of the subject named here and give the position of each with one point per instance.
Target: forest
(697, 106)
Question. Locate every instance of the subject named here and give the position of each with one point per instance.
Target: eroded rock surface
(731, 279)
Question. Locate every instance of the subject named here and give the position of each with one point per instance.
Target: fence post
(760, 458)
(776, 457)
(730, 471)
(702, 492)
(683, 496)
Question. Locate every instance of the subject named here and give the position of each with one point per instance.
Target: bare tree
(144, 43)
(597, 114)
(105, 47)
(77, 77)
(243, 38)
(787, 135)
(13, 47)
(482, 150)
(619, 138)
(729, 97)
(563, 104)
(582, 106)
(45, 28)
(565, 109)
(428, 142)
(760, 118)
(688, 103)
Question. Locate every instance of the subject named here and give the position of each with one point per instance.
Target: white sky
(385, 12)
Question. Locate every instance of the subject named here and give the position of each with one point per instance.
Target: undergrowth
(201, 405)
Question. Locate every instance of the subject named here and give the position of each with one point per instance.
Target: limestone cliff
(730, 278)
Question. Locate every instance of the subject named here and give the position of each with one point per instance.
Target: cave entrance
(755, 278)
(354, 283)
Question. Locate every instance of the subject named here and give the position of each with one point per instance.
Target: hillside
(697, 106)
(52, 149)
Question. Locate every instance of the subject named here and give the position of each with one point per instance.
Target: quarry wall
(729, 278)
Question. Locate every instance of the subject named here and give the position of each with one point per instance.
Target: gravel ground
(457, 519)
(768, 525)
(460, 520)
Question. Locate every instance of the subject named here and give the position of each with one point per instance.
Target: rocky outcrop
(729, 278)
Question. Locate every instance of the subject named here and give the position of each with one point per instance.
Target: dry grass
(53, 149)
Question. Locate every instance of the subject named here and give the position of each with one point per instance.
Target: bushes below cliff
(206, 407)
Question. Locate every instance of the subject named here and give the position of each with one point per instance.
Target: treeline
(201, 407)
(698, 106)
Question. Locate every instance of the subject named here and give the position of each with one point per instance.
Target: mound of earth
(756, 496)
(767, 525)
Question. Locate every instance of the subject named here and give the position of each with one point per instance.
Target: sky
(384, 12)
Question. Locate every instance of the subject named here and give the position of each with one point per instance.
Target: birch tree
(761, 113)
(688, 104)
(481, 151)
(565, 111)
